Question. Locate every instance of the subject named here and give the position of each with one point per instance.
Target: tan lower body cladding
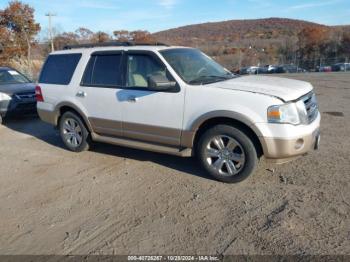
(283, 150)
(140, 132)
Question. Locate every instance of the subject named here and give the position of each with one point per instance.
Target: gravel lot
(114, 200)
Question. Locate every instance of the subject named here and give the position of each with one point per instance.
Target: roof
(112, 43)
(112, 48)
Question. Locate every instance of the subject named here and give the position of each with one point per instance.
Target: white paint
(249, 96)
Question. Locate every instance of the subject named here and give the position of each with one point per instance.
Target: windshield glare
(194, 67)
(12, 77)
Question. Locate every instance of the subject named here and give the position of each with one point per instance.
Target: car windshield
(10, 76)
(194, 67)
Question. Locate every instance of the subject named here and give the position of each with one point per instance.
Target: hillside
(235, 30)
(237, 43)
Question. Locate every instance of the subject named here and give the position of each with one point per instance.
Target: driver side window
(140, 68)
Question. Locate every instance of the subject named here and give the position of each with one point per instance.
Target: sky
(157, 15)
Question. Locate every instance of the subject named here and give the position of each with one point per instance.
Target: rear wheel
(73, 132)
(227, 154)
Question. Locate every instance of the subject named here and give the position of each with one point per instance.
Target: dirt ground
(114, 200)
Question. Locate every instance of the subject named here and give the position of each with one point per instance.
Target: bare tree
(18, 19)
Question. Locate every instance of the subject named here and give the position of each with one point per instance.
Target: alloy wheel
(225, 155)
(72, 132)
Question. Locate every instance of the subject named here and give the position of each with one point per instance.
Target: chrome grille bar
(311, 106)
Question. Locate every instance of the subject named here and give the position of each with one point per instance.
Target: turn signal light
(274, 114)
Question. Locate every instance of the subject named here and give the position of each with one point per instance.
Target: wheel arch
(65, 107)
(211, 119)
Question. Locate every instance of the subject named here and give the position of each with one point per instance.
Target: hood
(11, 89)
(283, 88)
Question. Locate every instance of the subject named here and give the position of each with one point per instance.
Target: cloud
(168, 4)
(313, 5)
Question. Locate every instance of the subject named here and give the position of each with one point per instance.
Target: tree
(100, 37)
(122, 35)
(18, 19)
(141, 36)
(345, 44)
(65, 39)
(85, 35)
(311, 44)
(4, 45)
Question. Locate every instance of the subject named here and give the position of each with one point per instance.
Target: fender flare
(75, 108)
(189, 135)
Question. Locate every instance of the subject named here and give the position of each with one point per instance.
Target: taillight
(39, 94)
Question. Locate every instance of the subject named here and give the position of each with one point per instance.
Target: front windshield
(12, 77)
(194, 67)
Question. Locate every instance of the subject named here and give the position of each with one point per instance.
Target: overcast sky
(156, 15)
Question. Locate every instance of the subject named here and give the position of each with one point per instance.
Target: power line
(50, 15)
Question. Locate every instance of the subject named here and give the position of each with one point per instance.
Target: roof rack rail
(113, 43)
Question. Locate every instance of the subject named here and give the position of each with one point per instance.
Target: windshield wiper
(208, 79)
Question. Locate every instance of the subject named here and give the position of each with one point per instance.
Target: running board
(187, 152)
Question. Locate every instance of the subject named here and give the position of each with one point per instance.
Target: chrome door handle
(81, 94)
(132, 99)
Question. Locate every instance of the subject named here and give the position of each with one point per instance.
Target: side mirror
(160, 83)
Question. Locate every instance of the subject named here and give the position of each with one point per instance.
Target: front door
(150, 116)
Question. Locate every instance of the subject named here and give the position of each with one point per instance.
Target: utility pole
(50, 15)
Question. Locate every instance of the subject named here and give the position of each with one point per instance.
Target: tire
(73, 132)
(227, 154)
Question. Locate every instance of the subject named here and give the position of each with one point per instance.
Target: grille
(311, 106)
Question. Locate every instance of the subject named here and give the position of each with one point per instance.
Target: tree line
(84, 35)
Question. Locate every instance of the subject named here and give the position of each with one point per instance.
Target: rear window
(103, 71)
(59, 69)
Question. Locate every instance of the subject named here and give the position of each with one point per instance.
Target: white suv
(176, 100)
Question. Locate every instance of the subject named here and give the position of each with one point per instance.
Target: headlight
(291, 113)
(4, 97)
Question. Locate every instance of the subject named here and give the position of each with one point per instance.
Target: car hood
(11, 89)
(283, 88)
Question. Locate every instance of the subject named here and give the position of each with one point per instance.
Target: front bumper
(282, 143)
(17, 107)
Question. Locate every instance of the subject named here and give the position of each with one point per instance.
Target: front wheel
(227, 154)
(73, 132)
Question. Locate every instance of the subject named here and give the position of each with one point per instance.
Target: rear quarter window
(59, 69)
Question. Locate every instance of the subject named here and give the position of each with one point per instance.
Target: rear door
(101, 82)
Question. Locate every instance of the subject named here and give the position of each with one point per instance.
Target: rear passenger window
(104, 71)
(59, 69)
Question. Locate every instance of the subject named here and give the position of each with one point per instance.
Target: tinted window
(140, 68)
(88, 71)
(104, 70)
(59, 69)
